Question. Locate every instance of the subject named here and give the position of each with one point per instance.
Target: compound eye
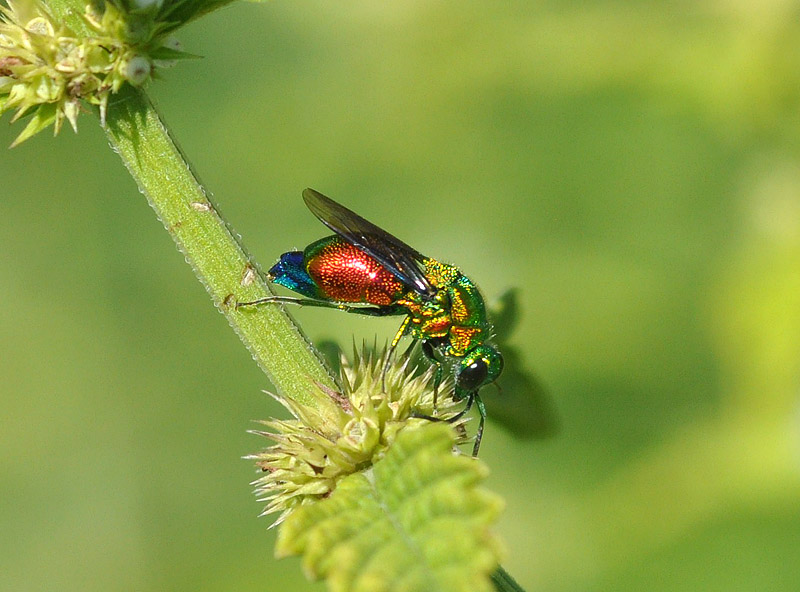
(473, 376)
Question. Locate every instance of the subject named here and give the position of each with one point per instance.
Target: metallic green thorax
(457, 312)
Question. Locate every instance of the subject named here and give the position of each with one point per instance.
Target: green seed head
(311, 455)
(49, 69)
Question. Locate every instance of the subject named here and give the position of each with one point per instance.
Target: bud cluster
(47, 69)
(311, 455)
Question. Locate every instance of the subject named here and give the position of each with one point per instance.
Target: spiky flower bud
(48, 69)
(310, 457)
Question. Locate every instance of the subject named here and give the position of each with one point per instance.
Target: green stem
(503, 582)
(213, 250)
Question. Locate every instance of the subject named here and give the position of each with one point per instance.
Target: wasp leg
(452, 419)
(465, 410)
(400, 332)
(479, 434)
(389, 353)
(471, 398)
(417, 415)
(427, 349)
(372, 311)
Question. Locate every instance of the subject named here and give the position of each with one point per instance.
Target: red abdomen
(346, 274)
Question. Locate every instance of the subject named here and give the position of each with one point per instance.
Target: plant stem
(503, 582)
(213, 250)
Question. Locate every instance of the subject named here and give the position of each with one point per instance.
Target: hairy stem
(503, 582)
(214, 251)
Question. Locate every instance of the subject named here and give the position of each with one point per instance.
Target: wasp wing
(396, 256)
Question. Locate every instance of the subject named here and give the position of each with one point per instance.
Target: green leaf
(416, 521)
(44, 116)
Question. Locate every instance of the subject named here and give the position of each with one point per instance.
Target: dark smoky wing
(395, 255)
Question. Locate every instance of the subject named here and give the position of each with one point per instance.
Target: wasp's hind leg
(371, 311)
(287, 300)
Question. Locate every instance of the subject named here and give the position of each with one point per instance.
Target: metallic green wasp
(365, 270)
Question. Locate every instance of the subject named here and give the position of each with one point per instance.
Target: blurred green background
(631, 167)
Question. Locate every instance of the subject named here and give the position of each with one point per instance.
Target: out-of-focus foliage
(383, 528)
(630, 168)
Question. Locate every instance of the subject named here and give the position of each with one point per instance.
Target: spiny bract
(309, 458)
